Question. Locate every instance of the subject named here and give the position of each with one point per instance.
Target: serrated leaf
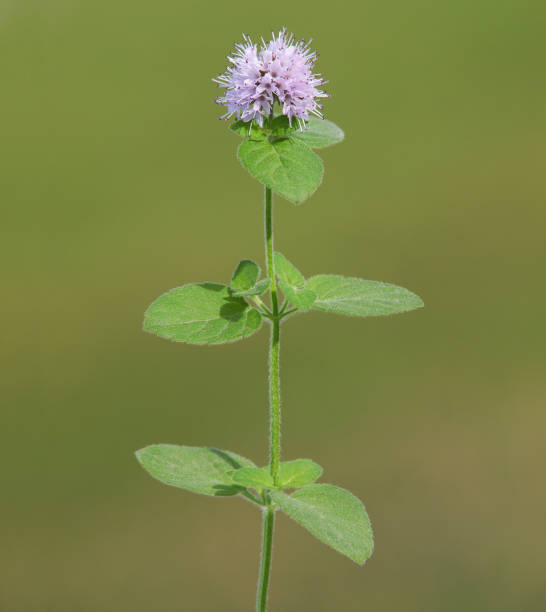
(298, 473)
(333, 515)
(203, 313)
(244, 129)
(245, 276)
(256, 478)
(361, 298)
(196, 469)
(287, 271)
(259, 289)
(302, 299)
(319, 133)
(287, 166)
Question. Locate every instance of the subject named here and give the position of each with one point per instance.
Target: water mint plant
(273, 94)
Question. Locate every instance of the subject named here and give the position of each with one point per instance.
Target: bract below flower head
(280, 70)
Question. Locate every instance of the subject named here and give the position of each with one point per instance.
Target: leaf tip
(140, 455)
(418, 301)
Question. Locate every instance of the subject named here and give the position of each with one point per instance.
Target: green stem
(275, 407)
(274, 346)
(265, 564)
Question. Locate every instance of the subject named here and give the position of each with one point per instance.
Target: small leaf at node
(245, 276)
(287, 271)
(256, 478)
(333, 515)
(259, 289)
(302, 299)
(298, 473)
(196, 469)
(319, 133)
(204, 313)
(244, 129)
(287, 166)
(361, 298)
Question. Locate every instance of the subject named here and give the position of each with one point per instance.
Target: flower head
(280, 70)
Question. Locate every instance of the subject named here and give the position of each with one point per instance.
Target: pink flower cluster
(280, 70)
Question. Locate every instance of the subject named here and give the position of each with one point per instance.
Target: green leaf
(256, 478)
(203, 313)
(244, 129)
(287, 166)
(361, 298)
(287, 271)
(196, 469)
(245, 276)
(333, 515)
(259, 288)
(298, 473)
(319, 133)
(292, 283)
(302, 299)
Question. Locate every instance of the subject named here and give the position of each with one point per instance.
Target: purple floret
(279, 70)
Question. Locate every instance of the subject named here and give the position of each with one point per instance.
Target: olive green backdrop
(118, 183)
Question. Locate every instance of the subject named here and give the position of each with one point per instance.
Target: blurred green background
(117, 183)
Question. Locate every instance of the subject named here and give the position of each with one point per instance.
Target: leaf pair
(318, 133)
(281, 158)
(333, 515)
(213, 313)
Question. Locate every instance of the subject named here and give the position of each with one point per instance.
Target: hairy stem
(274, 346)
(275, 407)
(265, 563)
